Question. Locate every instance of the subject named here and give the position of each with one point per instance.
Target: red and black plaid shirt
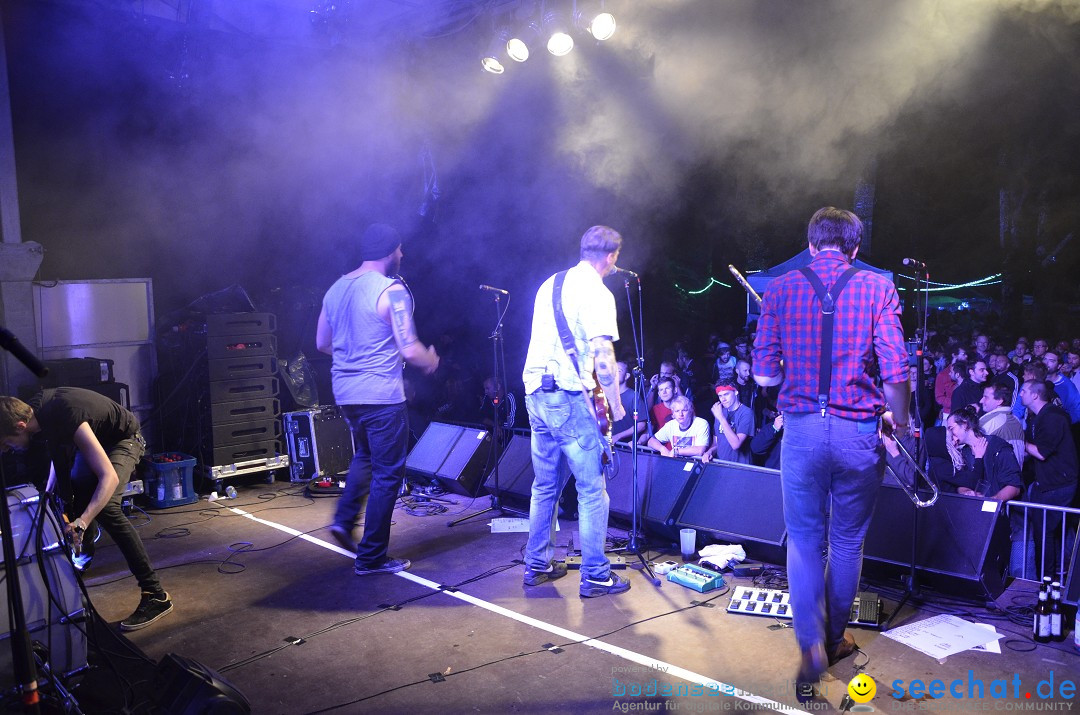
(867, 337)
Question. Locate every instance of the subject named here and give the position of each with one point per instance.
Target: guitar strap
(565, 335)
(827, 298)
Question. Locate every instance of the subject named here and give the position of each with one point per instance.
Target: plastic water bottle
(230, 492)
(177, 486)
(161, 488)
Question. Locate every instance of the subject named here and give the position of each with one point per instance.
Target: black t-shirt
(60, 411)
(1050, 431)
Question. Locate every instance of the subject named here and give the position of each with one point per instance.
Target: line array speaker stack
(244, 421)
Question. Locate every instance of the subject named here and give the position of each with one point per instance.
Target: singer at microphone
(493, 289)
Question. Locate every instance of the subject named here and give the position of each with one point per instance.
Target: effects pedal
(866, 610)
(698, 578)
(760, 602)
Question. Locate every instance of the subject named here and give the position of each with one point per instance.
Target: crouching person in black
(94, 445)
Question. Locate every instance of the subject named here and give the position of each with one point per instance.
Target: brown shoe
(843, 649)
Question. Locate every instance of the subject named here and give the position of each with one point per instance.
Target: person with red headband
(734, 426)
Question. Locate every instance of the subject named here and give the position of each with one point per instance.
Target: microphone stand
(22, 653)
(637, 329)
(498, 371)
(911, 580)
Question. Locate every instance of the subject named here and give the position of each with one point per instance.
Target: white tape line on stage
(644, 660)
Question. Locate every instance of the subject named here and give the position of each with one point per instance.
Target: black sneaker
(343, 536)
(614, 584)
(535, 578)
(152, 607)
(389, 566)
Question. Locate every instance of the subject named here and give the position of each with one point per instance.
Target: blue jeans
(380, 434)
(830, 469)
(564, 440)
(124, 456)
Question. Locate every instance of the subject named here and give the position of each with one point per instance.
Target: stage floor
(265, 597)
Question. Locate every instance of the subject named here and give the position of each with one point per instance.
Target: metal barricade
(1058, 536)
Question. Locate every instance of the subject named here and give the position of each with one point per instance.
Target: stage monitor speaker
(668, 479)
(735, 501)
(963, 539)
(515, 470)
(452, 455)
(185, 686)
(620, 486)
(1072, 585)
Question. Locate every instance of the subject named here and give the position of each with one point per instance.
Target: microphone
(9, 342)
(627, 272)
(494, 290)
(914, 263)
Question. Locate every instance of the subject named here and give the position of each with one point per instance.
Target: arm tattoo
(401, 316)
(604, 361)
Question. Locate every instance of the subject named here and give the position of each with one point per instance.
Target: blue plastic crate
(169, 479)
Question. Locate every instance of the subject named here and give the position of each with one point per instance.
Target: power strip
(617, 562)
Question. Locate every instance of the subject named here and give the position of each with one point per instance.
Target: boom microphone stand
(633, 545)
(498, 371)
(911, 581)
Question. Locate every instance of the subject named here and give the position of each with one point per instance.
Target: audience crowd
(999, 418)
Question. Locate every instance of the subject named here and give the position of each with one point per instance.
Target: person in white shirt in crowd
(685, 435)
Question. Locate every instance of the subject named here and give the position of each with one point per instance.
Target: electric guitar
(602, 414)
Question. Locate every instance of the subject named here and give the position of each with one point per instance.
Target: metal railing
(1058, 537)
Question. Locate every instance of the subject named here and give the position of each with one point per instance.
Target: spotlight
(517, 47)
(558, 30)
(595, 20)
(602, 26)
(490, 61)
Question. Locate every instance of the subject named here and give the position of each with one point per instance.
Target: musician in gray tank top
(366, 325)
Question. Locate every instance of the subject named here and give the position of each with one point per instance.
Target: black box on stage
(455, 456)
(77, 372)
(319, 442)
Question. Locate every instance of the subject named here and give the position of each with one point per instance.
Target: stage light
(517, 47)
(490, 61)
(602, 26)
(594, 19)
(557, 28)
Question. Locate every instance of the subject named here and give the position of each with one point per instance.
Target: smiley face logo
(862, 688)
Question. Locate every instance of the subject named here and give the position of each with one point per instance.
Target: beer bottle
(1041, 626)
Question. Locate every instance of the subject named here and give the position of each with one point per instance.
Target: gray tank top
(367, 365)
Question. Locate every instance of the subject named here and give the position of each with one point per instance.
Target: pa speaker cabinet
(962, 540)
(319, 442)
(453, 455)
(668, 479)
(620, 487)
(515, 470)
(735, 501)
(1072, 585)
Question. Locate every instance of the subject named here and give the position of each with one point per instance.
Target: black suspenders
(827, 298)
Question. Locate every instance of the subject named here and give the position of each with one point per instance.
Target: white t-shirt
(589, 308)
(696, 435)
